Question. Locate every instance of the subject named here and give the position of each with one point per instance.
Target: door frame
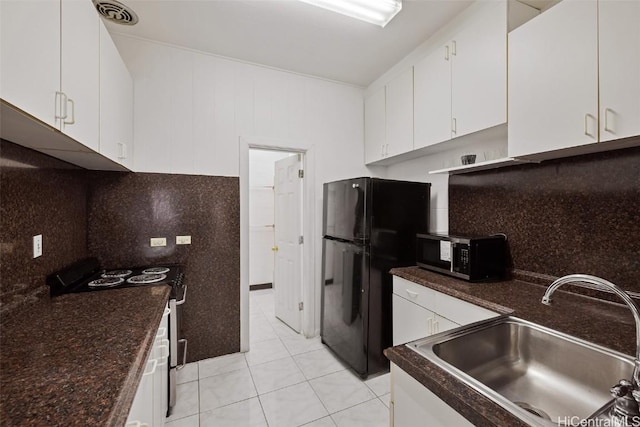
(310, 295)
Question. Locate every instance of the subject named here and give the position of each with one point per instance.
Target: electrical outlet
(37, 246)
(158, 241)
(183, 240)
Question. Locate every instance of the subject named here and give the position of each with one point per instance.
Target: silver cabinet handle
(184, 297)
(413, 295)
(73, 112)
(586, 125)
(446, 52)
(606, 119)
(61, 105)
(454, 48)
(454, 125)
(122, 151)
(184, 354)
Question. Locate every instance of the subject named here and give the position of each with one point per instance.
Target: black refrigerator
(369, 227)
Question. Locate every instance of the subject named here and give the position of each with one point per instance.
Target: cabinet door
(116, 103)
(30, 56)
(375, 127)
(432, 103)
(619, 40)
(415, 405)
(553, 80)
(80, 72)
(442, 324)
(479, 71)
(400, 114)
(410, 321)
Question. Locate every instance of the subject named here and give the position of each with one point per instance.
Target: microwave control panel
(461, 257)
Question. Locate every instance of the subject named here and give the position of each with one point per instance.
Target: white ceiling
(291, 35)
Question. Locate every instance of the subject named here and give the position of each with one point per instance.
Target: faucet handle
(622, 389)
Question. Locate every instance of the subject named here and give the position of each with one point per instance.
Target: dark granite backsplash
(112, 215)
(126, 210)
(38, 195)
(574, 215)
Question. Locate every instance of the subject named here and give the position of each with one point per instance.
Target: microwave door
(435, 254)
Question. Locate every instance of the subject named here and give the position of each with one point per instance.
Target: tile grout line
(307, 380)
(264, 414)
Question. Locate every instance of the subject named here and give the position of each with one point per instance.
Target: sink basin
(540, 375)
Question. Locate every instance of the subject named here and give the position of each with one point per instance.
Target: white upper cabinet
(432, 102)
(30, 56)
(461, 85)
(479, 71)
(388, 119)
(80, 72)
(553, 80)
(375, 127)
(574, 78)
(399, 114)
(59, 65)
(619, 49)
(116, 103)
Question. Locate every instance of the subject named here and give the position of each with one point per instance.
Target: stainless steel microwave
(469, 258)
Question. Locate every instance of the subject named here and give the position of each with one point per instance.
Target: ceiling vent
(116, 12)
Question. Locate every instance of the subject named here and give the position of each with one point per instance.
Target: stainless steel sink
(540, 375)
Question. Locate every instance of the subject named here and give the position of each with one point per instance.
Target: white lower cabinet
(418, 312)
(413, 405)
(149, 407)
(413, 320)
(142, 407)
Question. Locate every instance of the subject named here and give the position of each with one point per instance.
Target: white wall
(261, 214)
(191, 108)
(418, 170)
(193, 112)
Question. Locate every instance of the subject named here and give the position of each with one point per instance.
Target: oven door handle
(184, 354)
(184, 297)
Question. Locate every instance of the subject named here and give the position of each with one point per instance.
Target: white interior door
(288, 230)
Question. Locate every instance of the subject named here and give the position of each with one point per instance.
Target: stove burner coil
(146, 278)
(106, 282)
(116, 273)
(155, 270)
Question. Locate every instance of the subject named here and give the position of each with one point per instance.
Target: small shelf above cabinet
(480, 166)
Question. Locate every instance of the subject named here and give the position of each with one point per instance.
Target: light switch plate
(37, 246)
(183, 240)
(158, 241)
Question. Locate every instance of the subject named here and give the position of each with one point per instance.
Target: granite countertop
(76, 360)
(581, 316)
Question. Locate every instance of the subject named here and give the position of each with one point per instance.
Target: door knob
(274, 249)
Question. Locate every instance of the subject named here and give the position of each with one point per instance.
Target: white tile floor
(285, 380)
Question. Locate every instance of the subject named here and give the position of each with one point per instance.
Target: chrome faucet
(626, 393)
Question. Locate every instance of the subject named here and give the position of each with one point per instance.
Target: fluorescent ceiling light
(378, 12)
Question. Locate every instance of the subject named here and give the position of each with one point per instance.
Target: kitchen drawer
(459, 311)
(423, 296)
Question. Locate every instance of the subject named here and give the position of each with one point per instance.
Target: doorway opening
(275, 242)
